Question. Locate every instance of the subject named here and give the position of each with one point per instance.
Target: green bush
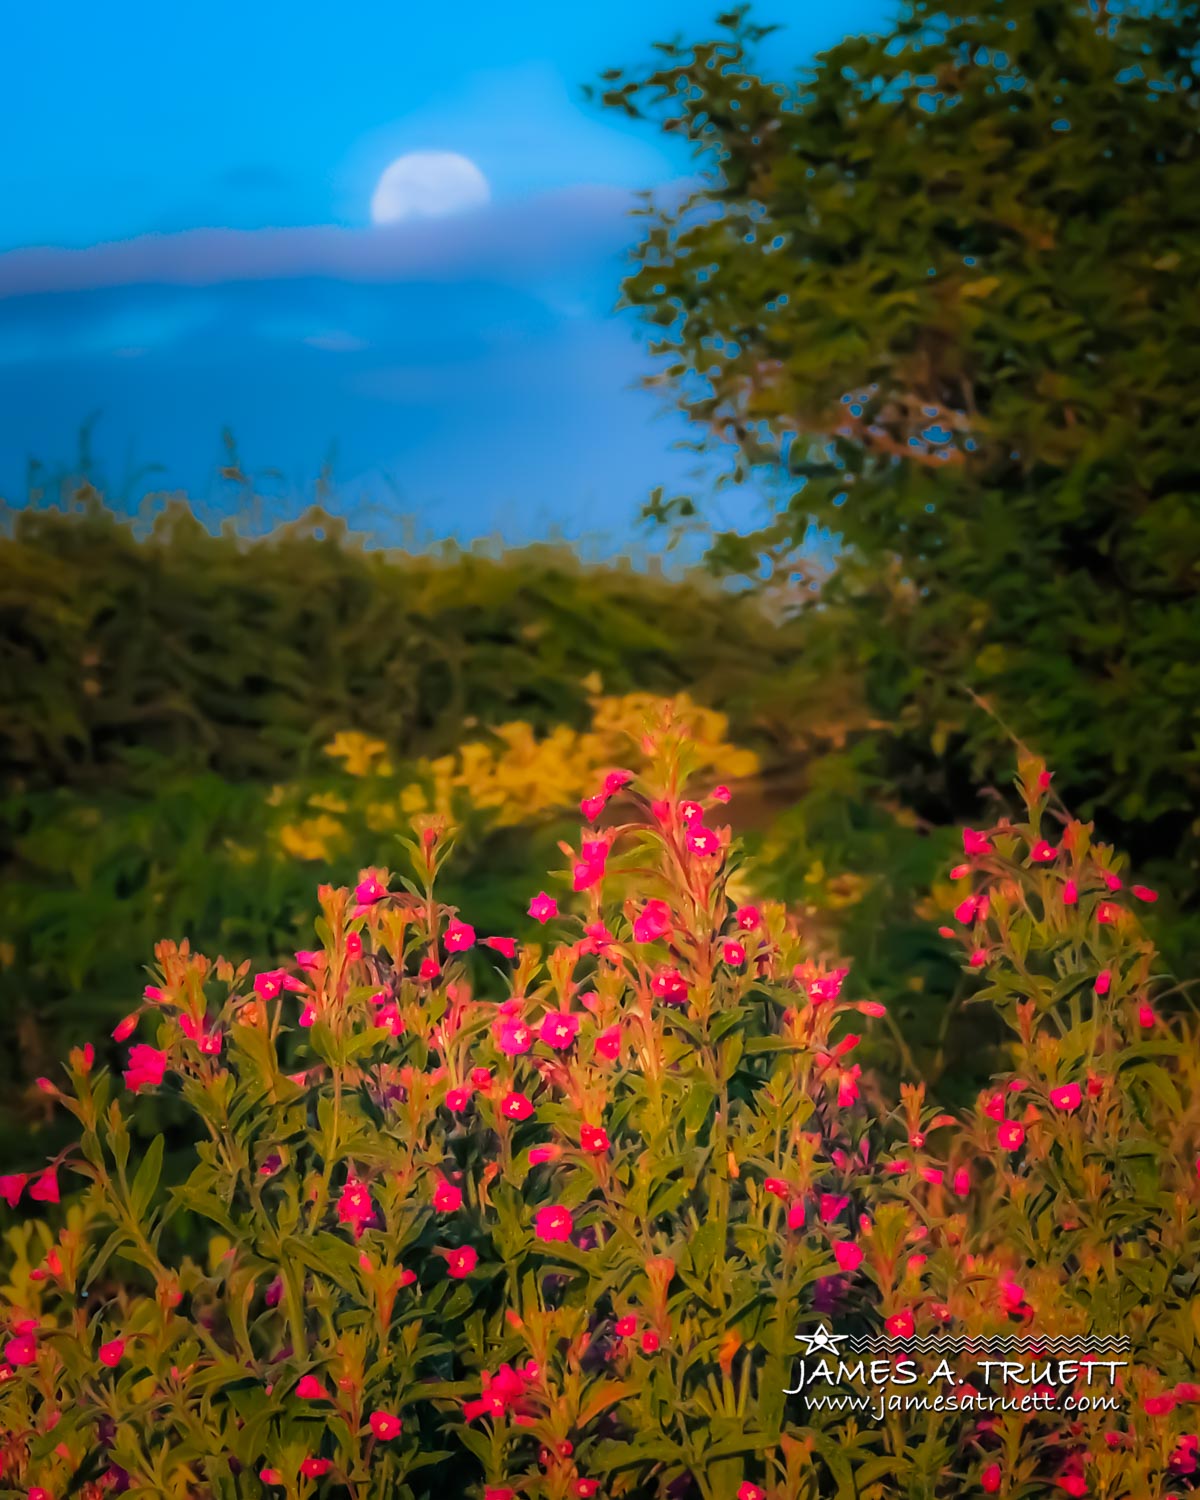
(553, 1237)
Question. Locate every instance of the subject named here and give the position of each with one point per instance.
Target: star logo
(822, 1341)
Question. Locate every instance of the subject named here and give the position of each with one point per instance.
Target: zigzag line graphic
(996, 1344)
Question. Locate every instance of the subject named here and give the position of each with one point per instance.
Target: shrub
(557, 1243)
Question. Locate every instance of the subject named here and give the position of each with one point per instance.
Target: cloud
(513, 239)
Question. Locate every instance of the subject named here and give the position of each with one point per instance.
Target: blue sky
(186, 245)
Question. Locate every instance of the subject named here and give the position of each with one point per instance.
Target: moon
(427, 185)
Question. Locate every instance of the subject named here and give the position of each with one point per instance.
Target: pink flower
(650, 1342)
(702, 841)
(309, 1388)
(559, 1029)
(429, 968)
(513, 1037)
(353, 947)
(748, 918)
(615, 780)
(389, 1018)
(721, 794)
(269, 985)
(734, 954)
(447, 1198)
(900, 1325)
(21, 1350)
(653, 922)
(385, 1426)
(586, 1488)
(1160, 1405)
(1107, 912)
(1146, 1016)
(594, 1138)
(1113, 882)
(795, 1218)
(461, 1262)
(553, 1223)
(1067, 1097)
(12, 1186)
(991, 1478)
(776, 1187)
(585, 874)
(44, 1189)
(1070, 893)
(748, 1491)
(541, 1154)
(994, 1106)
(608, 1043)
(1103, 982)
(515, 1106)
(1144, 893)
(270, 1476)
(669, 985)
(355, 1207)
(146, 1067)
(596, 938)
(459, 937)
(592, 807)
(830, 1205)
(123, 1030)
(457, 1100)
(1011, 1135)
(315, 1468)
(848, 1086)
(368, 891)
(1042, 852)
(542, 908)
(310, 958)
(826, 987)
(595, 851)
(975, 842)
(505, 945)
(848, 1255)
(962, 1182)
(111, 1353)
(965, 910)
(872, 1008)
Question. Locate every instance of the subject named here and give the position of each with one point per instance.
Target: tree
(940, 288)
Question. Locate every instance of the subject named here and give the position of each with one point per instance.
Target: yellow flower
(358, 752)
(327, 802)
(413, 800)
(313, 838)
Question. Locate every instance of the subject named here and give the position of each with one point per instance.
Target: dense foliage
(193, 726)
(551, 1236)
(939, 286)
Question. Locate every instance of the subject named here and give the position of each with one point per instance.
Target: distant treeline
(168, 703)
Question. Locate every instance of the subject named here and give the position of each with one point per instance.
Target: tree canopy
(939, 285)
